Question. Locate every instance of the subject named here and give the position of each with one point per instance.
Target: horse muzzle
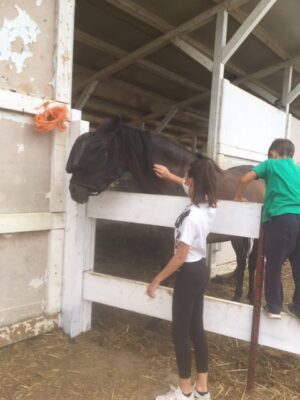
(78, 193)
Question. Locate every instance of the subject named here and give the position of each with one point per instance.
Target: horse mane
(140, 144)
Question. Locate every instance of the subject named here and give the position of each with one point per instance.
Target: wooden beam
(166, 102)
(31, 222)
(246, 28)
(216, 87)
(165, 121)
(261, 34)
(287, 84)
(262, 92)
(262, 73)
(220, 316)
(293, 94)
(180, 104)
(85, 95)
(194, 53)
(147, 17)
(115, 51)
(156, 44)
(139, 209)
(172, 128)
(160, 24)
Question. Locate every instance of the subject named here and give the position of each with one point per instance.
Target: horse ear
(109, 126)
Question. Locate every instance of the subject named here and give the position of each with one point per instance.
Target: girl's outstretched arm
(242, 184)
(163, 172)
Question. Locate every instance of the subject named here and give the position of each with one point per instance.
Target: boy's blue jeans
(282, 241)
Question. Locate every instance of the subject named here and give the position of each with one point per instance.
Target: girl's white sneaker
(205, 396)
(174, 394)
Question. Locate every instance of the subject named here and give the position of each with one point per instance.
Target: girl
(192, 274)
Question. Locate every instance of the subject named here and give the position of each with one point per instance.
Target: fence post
(259, 278)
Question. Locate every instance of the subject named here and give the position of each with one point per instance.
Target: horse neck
(140, 150)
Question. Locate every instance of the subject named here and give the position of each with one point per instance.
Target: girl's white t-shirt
(192, 227)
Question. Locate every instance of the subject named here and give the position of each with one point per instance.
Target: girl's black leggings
(187, 312)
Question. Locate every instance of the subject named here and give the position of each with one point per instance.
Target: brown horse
(99, 158)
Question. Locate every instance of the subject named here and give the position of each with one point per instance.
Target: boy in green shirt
(281, 219)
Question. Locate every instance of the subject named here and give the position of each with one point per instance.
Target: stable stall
(171, 69)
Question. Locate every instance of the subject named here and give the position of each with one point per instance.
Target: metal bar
(259, 278)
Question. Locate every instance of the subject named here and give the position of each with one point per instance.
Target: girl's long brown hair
(204, 172)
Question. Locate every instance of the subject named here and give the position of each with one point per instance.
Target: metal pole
(259, 278)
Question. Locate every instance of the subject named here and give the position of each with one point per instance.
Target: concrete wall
(36, 39)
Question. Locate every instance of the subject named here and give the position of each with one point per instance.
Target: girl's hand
(151, 289)
(161, 171)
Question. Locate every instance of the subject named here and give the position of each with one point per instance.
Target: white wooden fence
(82, 286)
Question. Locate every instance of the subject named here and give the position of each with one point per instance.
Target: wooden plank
(30, 222)
(293, 94)
(156, 44)
(262, 73)
(216, 87)
(194, 53)
(220, 316)
(261, 34)
(78, 252)
(85, 95)
(28, 329)
(23, 103)
(64, 50)
(187, 44)
(246, 28)
(160, 127)
(233, 218)
(54, 271)
(117, 52)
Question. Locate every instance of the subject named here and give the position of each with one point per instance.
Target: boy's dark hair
(284, 147)
(204, 172)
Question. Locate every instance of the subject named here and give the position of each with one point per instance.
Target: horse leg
(240, 246)
(252, 268)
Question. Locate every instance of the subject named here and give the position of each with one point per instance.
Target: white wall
(247, 127)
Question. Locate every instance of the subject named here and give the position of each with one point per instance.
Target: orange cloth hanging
(52, 118)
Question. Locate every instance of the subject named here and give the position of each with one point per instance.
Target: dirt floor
(120, 360)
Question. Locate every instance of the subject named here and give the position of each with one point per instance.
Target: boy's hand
(243, 199)
(161, 171)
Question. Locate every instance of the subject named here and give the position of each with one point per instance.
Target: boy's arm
(243, 183)
(162, 172)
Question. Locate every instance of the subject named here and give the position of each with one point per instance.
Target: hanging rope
(52, 118)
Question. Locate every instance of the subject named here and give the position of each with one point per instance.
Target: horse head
(94, 161)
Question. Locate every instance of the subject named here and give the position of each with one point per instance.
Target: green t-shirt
(282, 178)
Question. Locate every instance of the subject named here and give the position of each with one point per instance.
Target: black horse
(99, 158)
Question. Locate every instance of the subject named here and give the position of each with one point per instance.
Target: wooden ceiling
(151, 61)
